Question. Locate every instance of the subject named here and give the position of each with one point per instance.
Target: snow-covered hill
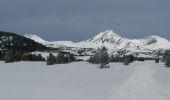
(112, 41)
(12, 41)
(54, 44)
(35, 38)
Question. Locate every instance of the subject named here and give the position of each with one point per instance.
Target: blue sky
(78, 20)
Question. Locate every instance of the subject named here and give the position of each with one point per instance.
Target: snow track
(139, 86)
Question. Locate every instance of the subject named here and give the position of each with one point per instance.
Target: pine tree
(1, 55)
(167, 62)
(50, 59)
(114, 58)
(60, 58)
(24, 57)
(100, 57)
(167, 58)
(104, 58)
(40, 58)
(157, 60)
(9, 56)
(128, 59)
(17, 56)
(63, 58)
(132, 58)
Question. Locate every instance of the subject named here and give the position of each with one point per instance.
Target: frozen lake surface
(84, 81)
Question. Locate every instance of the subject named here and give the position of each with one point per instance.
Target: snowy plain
(84, 81)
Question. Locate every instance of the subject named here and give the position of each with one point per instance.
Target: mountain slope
(108, 36)
(156, 42)
(16, 42)
(35, 38)
(116, 43)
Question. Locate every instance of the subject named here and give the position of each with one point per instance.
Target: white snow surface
(35, 38)
(84, 81)
(112, 41)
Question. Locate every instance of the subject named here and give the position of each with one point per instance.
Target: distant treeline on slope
(17, 42)
(14, 47)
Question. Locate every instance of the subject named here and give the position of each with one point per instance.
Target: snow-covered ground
(84, 81)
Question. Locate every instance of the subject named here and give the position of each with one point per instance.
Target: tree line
(61, 58)
(16, 56)
(102, 57)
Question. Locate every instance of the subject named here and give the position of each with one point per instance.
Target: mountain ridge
(111, 40)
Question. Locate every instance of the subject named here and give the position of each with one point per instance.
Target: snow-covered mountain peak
(109, 33)
(35, 38)
(108, 36)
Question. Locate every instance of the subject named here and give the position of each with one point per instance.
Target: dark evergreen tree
(9, 56)
(60, 59)
(31, 57)
(100, 57)
(12, 56)
(157, 60)
(167, 61)
(132, 58)
(114, 58)
(40, 58)
(163, 58)
(167, 58)
(95, 59)
(140, 59)
(72, 57)
(91, 59)
(64, 57)
(24, 57)
(51, 60)
(128, 59)
(104, 58)
(1, 55)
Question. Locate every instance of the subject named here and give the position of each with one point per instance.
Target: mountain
(53, 44)
(111, 40)
(115, 43)
(35, 38)
(105, 37)
(17, 42)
